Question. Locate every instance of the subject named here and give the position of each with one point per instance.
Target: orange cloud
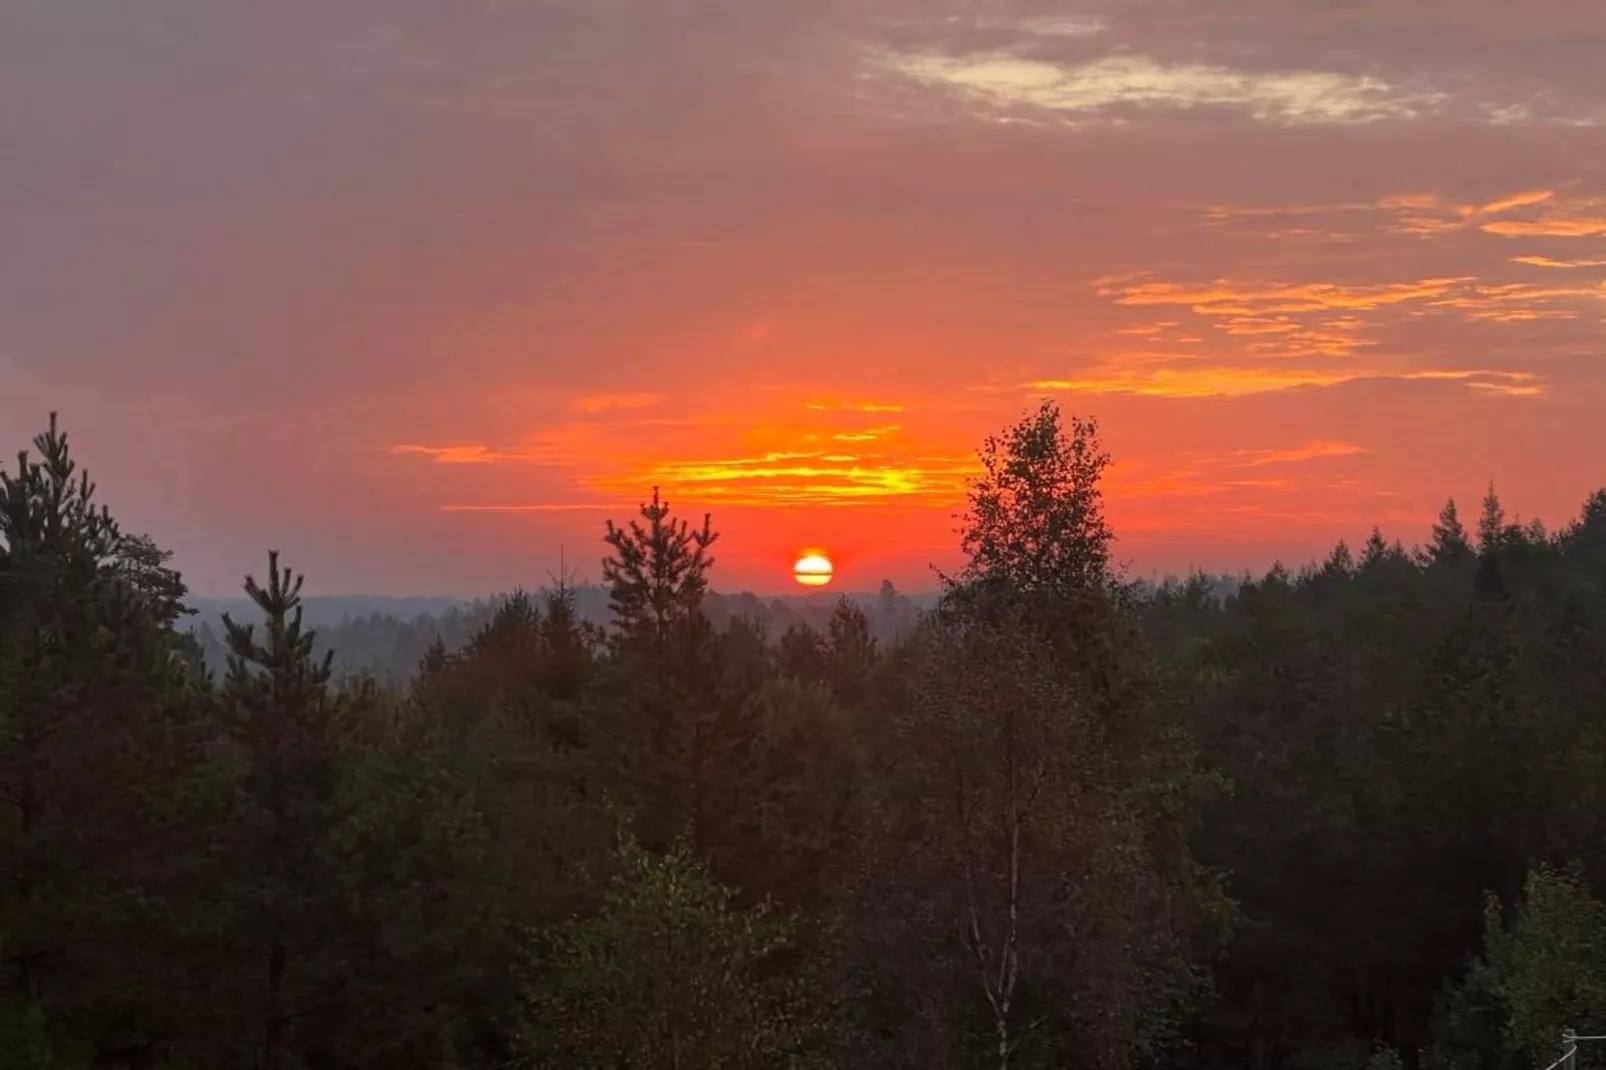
(1547, 262)
(786, 478)
(1518, 200)
(869, 434)
(1419, 214)
(1228, 381)
(1309, 451)
(1190, 381)
(1558, 226)
(463, 454)
(1248, 300)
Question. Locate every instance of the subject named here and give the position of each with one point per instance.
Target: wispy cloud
(1308, 451)
(1248, 299)
(868, 434)
(1423, 214)
(1552, 226)
(1549, 262)
(1050, 25)
(796, 478)
(1182, 380)
(1009, 80)
(464, 454)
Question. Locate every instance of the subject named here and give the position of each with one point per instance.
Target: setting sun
(812, 570)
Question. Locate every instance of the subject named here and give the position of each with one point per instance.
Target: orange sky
(419, 294)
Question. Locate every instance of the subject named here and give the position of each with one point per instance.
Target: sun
(812, 570)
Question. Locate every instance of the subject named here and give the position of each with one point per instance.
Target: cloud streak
(1119, 82)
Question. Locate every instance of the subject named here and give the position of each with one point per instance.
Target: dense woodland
(1345, 817)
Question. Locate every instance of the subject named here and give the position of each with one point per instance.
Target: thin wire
(1571, 1040)
(1565, 1056)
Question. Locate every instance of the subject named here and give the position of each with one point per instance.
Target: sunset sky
(419, 293)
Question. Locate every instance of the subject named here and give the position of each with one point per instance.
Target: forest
(1348, 816)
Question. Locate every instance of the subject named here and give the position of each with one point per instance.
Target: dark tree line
(1344, 818)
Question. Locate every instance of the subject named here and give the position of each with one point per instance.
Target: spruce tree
(1374, 552)
(1492, 525)
(1449, 544)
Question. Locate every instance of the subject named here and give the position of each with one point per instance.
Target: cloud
(868, 434)
(1182, 380)
(1007, 80)
(1246, 299)
(789, 479)
(464, 454)
(1308, 451)
(1524, 199)
(1062, 25)
(1549, 262)
(1555, 226)
(1429, 214)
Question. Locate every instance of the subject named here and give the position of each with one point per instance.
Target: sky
(420, 294)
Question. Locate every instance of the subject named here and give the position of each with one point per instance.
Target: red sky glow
(420, 294)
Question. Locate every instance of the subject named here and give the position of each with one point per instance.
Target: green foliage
(1033, 894)
(1548, 965)
(669, 973)
(1035, 521)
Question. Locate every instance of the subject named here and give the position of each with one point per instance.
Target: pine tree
(99, 730)
(160, 589)
(657, 574)
(285, 723)
(677, 734)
